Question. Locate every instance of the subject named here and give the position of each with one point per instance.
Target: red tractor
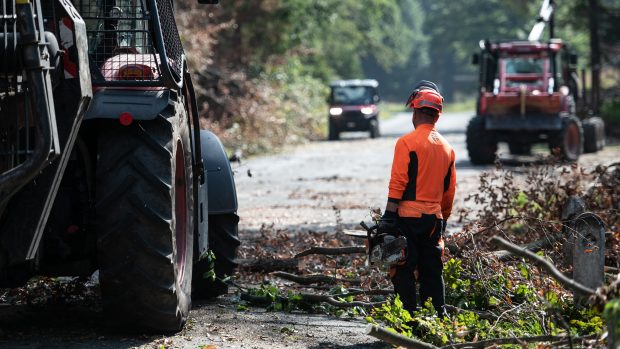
(103, 165)
(529, 94)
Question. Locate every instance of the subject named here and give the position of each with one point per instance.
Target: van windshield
(353, 95)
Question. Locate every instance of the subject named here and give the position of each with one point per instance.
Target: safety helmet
(427, 98)
(425, 95)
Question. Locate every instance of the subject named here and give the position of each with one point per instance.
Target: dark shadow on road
(62, 326)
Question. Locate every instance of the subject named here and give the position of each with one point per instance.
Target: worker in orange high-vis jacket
(421, 192)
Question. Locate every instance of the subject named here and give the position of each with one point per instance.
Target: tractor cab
(524, 78)
(529, 94)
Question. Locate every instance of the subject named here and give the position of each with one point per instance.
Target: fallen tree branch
(512, 340)
(397, 339)
(372, 292)
(332, 251)
(331, 300)
(546, 265)
(311, 298)
(532, 246)
(256, 300)
(610, 269)
(314, 278)
(267, 265)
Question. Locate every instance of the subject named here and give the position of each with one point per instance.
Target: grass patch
(460, 106)
(390, 109)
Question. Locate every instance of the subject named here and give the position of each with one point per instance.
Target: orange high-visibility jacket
(423, 177)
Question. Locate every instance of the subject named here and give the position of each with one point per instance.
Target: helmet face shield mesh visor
(427, 104)
(426, 98)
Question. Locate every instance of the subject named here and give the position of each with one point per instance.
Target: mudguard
(201, 233)
(220, 181)
(142, 104)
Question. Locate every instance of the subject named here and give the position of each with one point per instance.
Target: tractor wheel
(520, 148)
(144, 221)
(374, 129)
(334, 134)
(593, 134)
(481, 144)
(223, 242)
(569, 140)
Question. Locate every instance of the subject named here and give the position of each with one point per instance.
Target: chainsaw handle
(368, 229)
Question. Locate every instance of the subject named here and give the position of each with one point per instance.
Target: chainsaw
(384, 249)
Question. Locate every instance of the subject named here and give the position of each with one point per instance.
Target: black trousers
(424, 251)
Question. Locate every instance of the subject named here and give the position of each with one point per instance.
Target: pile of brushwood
(494, 297)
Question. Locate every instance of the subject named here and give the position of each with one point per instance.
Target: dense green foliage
(396, 41)
(256, 56)
(515, 303)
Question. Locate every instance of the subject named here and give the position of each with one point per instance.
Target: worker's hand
(444, 224)
(387, 224)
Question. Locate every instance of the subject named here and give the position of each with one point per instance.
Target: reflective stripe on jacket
(423, 177)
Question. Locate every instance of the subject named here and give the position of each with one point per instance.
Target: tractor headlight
(335, 111)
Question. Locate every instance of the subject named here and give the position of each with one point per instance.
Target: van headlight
(335, 111)
(367, 110)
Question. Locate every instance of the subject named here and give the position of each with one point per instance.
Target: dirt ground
(318, 187)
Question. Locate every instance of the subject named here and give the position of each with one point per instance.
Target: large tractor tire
(145, 210)
(569, 140)
(481, 145)
(223, 242)
(334, 133)
(374, 129)
(593, 134)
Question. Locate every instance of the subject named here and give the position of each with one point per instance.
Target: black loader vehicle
(529, 93)
(353, 107)
(103, 165)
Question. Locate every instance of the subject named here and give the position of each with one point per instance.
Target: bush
(610, 111)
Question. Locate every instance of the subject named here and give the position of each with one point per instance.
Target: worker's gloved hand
(387, 224)
(444, 224)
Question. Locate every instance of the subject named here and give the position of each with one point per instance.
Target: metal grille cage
(17, 142)
(119, 36)
(132, 44)
(171, 38)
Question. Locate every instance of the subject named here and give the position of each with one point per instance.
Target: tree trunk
(595, 55)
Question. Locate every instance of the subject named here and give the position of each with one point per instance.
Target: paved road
(323, 184)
